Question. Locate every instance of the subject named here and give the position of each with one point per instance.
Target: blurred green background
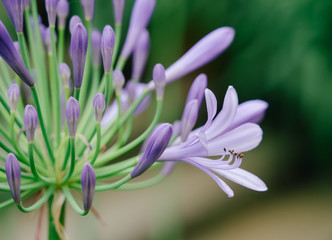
(282, 53)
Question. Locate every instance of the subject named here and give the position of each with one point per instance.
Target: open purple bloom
(13, 173)
(227, 134)
(15, 10)
(9, 53)
(88, 182)
(189, 118)
(140, 54)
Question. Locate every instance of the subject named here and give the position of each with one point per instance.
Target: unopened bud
(13, 173)
(88, 182)
(13, 96)
(72, 115)
(30, 122)
(99, 106)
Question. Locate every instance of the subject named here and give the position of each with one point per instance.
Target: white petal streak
(211, 106)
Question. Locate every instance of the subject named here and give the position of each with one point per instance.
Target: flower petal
(211, 106)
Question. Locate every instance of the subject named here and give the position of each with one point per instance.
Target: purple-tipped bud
(78, 48)
(107, 47)
(63, 11)
(157, 143)
(159, 79)
(13, 96)
(189, 118)
(197, 89)
(64, 72)
(88, 7)
(88, 182)
(15, 10)
(95, 47)
(17, 47)
(9, 53)
(72, 23)
(13, 173)
(140, 17)
(72, 115)
(118, 6)
(46, 36)
(140, 55)
(27, 3)
(30, 122)
(99, 106)
(118, 80)
(204, 51)
(51, 9)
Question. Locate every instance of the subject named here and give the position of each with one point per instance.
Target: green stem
(72, 159)
(109, 88)
(98, 143)
(61, 44)
(143, 184)
(33, 167)
(11, 200)
(14, 142)
(115, 185)
(77, 93)
(52, 232)
(118, 33)
(73, 203)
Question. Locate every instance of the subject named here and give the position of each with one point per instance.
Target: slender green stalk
(5, 73)
(121, 63)
(33, 167)
(61, 43)
(115, 185)
(118, 33)
(52, 232)
(109, 88)
(73, 203)
(113, 169)
(98, 143)
(24, 51)
(144, 184)
(11, 200)
(77, 93)
(72, 159)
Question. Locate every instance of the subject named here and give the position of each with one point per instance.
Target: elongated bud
(140, 17)
(13, 96)
(30, 122)
(15, 10)
(64, 72)
(204, 51)
(63, 11)
(88, 182)
(72, 115)
(13, 173)
(118, 80)
(27, 3)
(17, 47)
(88, 7)
(189, 118)
(107, 47)
(72, 23)
(197, 89)
(51, 9)
(159, 79)
(13, 59)
(46, 36)
(118, 6)
(99, 106)
(95, 46)
(78, 48)
(140, 55)
(157, 143)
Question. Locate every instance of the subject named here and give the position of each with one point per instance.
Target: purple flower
(140, 54)
(64, 72)
(189, 118)
(197, 89)
(204, 51)
(107, 47)
(159, 79)
(118, 80)
(118, 6)
(63, 11)
(220, 136)
(72, 23)
(72, 115)
(30, 122)
(51, 9)
(15, 10)
(99, 106)
(95, 47)
(156, 145)
(13, 173)
(78, 49)
(88, 182)
(140, 17)
(88, 7)
(13, 96)
(13, 59)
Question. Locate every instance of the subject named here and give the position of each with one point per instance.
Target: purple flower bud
(157, 143)
(64, 72)
(63, 11)
(118, 6)
(51, 9)
(30, 122)
(88, 7)
(17, 47)
(72, 115)
(15, 10)
(118, 80)
(107, 47)
(13, 173)
(13, 96)
(72, 23)
(27, 3)
(78, 48)
(88, 182)
(204, 51)
(140, 54)
(189, 118)
(13, 59)
(197, 89)
(140, 17)
(46, 36)
(159, 79)
(99, 106)
(95, 47)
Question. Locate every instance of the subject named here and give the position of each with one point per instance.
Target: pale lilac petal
(226, 115)
(211, 106)
(240, 139)
(244, 178)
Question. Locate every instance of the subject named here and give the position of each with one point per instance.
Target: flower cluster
(70, 131)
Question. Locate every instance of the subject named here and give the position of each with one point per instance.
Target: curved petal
(211, 106)
(244, 178)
